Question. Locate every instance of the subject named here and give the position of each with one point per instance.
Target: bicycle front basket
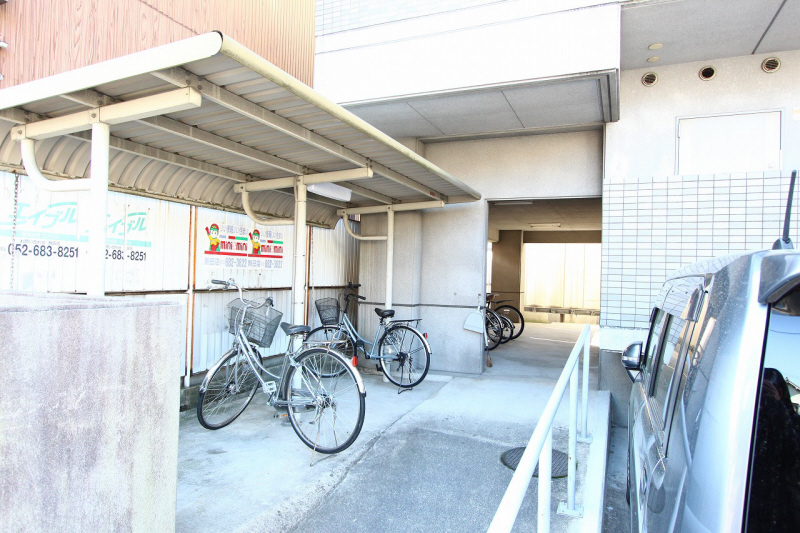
(260, 324)
(328, 309)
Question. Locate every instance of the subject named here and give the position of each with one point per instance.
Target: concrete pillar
(506, 269)
(89, 413)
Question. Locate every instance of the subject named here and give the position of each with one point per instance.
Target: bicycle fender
(210, 371)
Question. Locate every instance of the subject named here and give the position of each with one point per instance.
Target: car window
(664, 369)
(774, 485)
(652, 342)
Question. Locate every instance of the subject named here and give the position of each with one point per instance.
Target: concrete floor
(426, 460)
(617, 514)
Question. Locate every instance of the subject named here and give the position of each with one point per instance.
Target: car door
(661, 393)
(638, 435)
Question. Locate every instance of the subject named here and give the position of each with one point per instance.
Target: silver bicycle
(319, 390)
(401, 351)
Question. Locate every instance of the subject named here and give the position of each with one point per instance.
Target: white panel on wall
(147, 241)
(228, 247)
(729, 143)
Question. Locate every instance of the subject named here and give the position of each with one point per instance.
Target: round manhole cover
(511, 459)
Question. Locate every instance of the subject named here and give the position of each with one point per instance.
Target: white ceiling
(535, 106)
(697, 30)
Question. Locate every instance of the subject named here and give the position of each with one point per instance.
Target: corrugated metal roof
(251, 114)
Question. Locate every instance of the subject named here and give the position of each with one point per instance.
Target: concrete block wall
(653, 226)
(89, 413)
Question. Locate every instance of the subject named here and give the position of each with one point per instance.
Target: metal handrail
(541, 446)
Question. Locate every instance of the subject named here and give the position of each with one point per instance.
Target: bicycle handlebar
(268, 301)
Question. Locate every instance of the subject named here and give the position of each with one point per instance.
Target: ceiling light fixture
(515, 202)
(653, 59)
(331, 190)
(655, 46)
(546, 225)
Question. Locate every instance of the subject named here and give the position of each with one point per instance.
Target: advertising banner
(44, 247)
(232, 246)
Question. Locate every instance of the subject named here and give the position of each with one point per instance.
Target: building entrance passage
(545, 258)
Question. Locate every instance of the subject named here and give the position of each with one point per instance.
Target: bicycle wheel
(226, 391)
(508, 329)
(405, 356)
(516, 318)
(326, 412)
(339, 339)
(494, 329)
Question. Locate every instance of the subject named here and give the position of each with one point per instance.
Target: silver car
(714, 429)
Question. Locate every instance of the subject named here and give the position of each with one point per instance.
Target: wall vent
(770, 64)
(649, 79)
(707, 73)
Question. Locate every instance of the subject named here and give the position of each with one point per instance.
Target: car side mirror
(632, 356)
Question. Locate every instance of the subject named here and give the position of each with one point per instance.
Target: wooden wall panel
(46, 37)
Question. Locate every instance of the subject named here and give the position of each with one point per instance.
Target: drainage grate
(511, 459)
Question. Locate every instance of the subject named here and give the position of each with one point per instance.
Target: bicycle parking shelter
(206, 121)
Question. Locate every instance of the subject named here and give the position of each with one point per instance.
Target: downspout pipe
(27, 148)
(346, 222)
(258, 219)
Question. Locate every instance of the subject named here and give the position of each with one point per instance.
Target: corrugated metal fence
(159, 249)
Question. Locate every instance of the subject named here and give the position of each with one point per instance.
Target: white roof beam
(193, 133)
(182, 78)
(367, 193)
(140, 108)
(411, 206)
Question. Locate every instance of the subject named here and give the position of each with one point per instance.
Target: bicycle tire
(317, 404)
(339, 338)
(411, 356)
(508, 329)
(513, 314)
(494, 333)
(226, 391)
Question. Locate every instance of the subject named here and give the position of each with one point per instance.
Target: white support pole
(571, 509)
(389, 257)
(573, 435)
(585, 437)
(98, 203)
(298, 286)
(545, 484)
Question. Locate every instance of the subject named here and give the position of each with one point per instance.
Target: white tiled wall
(652, 226)
(341, 15)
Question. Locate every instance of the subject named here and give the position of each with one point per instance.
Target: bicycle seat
(294, 330)
(384, 313)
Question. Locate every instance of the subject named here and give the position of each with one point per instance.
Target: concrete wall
(451, 242)
(506, 267)
(468, 49)
(643, 142)
(89, 422)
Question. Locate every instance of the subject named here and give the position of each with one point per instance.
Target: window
(664, 368)
(655, 336)
(774, 491)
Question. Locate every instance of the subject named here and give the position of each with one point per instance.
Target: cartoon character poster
(234, 245)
